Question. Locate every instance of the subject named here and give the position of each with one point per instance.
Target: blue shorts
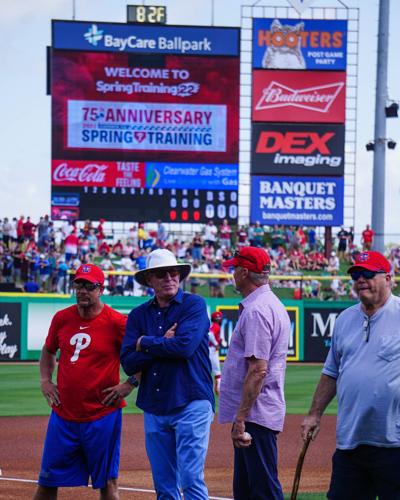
(74, 451)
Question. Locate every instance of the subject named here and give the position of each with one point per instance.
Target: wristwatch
(133, 381)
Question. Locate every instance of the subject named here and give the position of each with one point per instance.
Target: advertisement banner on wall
(318, 329)
(10, 331)
(312, 44)
(299, 96)
(231, 314)
(309, 201)
(286, 149)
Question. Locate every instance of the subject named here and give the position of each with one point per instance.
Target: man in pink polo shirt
(253, 377)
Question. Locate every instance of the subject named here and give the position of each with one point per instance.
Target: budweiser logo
(318, 98)
(88, 173)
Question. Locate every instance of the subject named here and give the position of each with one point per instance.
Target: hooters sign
(122, 174)
(299, 96)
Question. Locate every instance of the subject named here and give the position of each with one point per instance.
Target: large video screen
(142, 136)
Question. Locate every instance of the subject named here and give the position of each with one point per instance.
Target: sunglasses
(162, 273)
(86, 285)
(238, 256)
(365, 273)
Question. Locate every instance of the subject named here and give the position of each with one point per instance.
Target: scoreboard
(127, 204)
(145, 122)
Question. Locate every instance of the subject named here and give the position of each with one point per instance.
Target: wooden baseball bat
(299, 466)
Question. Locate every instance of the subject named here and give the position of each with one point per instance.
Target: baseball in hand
(246, 436)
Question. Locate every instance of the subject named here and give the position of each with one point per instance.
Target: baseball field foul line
(139, 490)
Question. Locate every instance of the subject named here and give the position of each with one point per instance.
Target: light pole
(378, 181)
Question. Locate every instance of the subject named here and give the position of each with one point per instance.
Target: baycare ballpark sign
(313, 201)
(114, 37)
(299, 44)
(300, 149)
(299, 96)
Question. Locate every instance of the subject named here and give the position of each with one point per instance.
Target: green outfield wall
(25, 320)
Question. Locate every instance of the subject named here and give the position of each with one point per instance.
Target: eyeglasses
(365, 273)
(86, 285)
(162, 273)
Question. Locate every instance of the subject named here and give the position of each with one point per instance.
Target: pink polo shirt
(262, 331)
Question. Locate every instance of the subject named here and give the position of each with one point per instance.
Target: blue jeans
(176, 445)
(255, 475)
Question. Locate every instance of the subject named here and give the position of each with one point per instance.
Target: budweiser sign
(319, 98)
(125, 174)
(91, 173)
(299, 96)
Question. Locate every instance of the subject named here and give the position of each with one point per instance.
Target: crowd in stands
(40, 256)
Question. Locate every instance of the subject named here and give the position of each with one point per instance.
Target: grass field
(21, 396)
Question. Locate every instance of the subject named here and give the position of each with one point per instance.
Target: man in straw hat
(167, 341)
(252, 398)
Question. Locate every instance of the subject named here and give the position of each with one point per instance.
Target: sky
(25, 31)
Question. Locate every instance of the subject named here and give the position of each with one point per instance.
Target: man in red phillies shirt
(214, 343)
(84, 431)
(367, 238)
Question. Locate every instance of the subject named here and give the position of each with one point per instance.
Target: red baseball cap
(373, 261)
(90, 272)
(252, 258)
(217, 315)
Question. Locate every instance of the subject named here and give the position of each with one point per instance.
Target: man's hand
(239, 439)
(310, 426)
(50, 392)
(170, 333)
(113, 395)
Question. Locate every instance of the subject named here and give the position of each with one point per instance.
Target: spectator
(333, 263)
(197, 245)
(7, 231)
(367, 238)
(342, 236)
(241, 237)
(28, 229)
(162, 235)
(210, 233)
(225, 232)
(71, 246)
(258, 235)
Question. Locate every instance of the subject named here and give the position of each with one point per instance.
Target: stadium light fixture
(392, 111)
(391, 144)
(370, 146)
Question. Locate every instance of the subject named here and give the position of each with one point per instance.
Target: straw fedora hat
(157, 259)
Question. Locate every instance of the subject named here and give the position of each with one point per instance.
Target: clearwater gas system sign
(287, 149)
(310, 44)
(315, 201)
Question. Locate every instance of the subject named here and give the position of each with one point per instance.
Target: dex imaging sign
(286, 149)
(309, 201)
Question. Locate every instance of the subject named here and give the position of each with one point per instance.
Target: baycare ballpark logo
(299, 96)
(94, 35)
(89, 173)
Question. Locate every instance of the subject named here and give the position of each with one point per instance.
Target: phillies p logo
(82, 341)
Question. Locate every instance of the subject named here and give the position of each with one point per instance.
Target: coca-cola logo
(89, 173)
(319, 98)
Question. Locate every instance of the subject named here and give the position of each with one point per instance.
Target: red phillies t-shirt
(368, 234)
(215, 329)
(89, 361)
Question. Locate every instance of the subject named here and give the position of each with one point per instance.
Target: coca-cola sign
(99, 173)
(299, 96)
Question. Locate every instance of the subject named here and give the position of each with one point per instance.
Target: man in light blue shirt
(363, 370)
